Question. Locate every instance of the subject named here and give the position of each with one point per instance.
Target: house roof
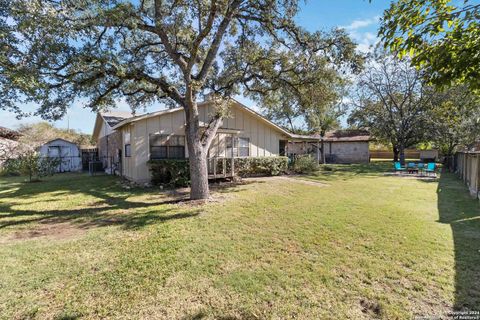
(113, 118)
(337, 136)
(162, 112)
(9, 133)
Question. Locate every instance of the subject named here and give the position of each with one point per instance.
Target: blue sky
(358, 17)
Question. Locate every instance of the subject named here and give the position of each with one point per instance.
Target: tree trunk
(198, 174)
(401, 153)
(197, 154)
(395, 154)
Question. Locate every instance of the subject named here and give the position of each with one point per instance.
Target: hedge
(175, 173)
(257, 166)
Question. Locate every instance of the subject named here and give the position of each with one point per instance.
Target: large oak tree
(57, 51)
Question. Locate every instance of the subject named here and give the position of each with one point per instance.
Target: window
(230, 150)
(244, 147)
(237, 147)
(126, 141)
(128, 150)
(167, 147)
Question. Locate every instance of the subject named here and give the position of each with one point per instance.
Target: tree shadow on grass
(462, 213)
(112, 205)
(332, 172)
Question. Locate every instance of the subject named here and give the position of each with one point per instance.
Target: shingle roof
(115, 117)
(338, 136)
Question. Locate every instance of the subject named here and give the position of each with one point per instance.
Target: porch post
(318, 151)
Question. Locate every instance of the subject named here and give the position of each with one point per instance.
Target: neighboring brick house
(341, 146)
(109, 141)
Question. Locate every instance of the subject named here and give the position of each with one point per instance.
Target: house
(341, 146)
(68, 153)
(109, 141)
(160, 135)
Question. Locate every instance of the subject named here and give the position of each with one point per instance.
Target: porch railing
(220, 167)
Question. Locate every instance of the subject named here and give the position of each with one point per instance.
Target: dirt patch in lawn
(55, 230)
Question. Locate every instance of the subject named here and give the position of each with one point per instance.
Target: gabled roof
(162, 112)
(111, 118)
(347, 135)
(59, 139)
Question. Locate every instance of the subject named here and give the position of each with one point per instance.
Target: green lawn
(356, 245)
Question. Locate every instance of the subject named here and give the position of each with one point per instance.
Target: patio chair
(421, 167)
(412, 167)
(430, 168)
(398, 167)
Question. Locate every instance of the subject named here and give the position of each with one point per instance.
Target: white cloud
(366, 39)
(361, 23)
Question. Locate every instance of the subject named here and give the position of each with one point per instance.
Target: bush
(172, 173)
(270, 166)
(10, 168)
(33, 165)
(175, 173)
(305, 164)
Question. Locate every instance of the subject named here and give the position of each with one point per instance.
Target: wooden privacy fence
(388, 154)
(467, 166)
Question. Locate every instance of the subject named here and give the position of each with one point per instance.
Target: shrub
(10, 167)
(270, 166)
(305, 164)
(173, 173)
(31, 164)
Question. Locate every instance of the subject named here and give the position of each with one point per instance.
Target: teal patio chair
(430, 168)
(398, 167)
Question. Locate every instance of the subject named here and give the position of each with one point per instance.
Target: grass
(356, 245)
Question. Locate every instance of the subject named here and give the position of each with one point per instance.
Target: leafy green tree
(442, 37)
(454, 119)
(313, 106)
(53, 52)
(392, 103)
(31, 164)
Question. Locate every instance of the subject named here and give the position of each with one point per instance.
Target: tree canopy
(454, 119)
(146, 51)
(442, 37)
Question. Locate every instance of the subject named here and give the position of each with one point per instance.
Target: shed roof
(60, 139)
